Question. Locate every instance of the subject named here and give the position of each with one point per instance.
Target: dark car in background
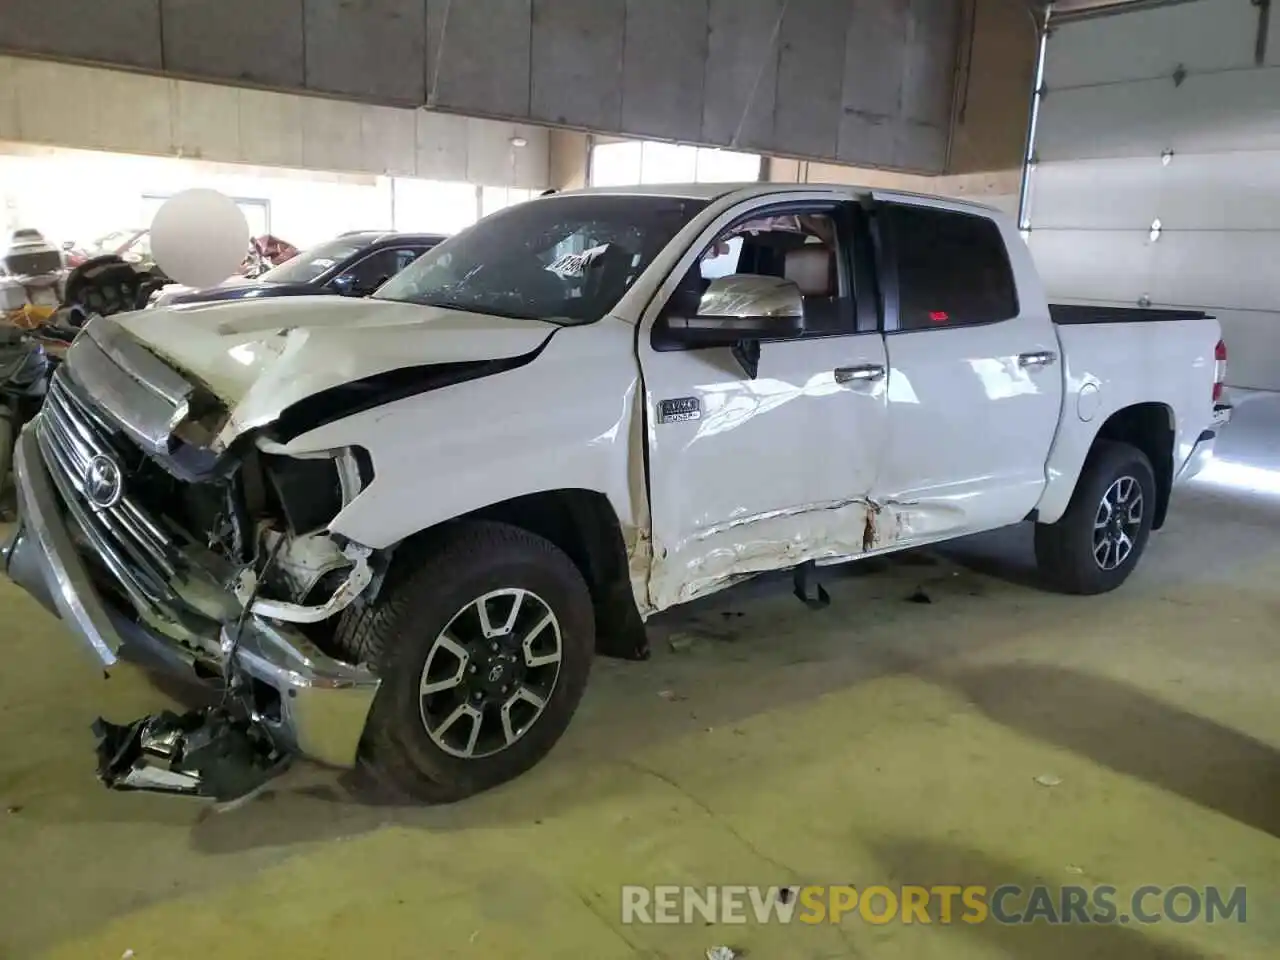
(352, 265)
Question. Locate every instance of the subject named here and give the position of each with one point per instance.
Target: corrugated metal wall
(1165, 114)
(858, 81)
(100, 109)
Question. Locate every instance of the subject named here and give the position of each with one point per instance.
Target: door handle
(1040, 358)
(864, 372)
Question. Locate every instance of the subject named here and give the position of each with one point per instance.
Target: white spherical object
(199, 237)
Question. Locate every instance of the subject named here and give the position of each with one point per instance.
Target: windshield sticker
(575, 264)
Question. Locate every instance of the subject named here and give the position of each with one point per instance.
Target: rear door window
(953, 269)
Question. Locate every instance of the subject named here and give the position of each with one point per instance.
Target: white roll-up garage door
(1157, 173)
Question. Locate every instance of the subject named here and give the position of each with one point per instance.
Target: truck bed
(1065, 314)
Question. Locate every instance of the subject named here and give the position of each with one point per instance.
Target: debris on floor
(212, 753)
(1048, 779)
(919, 597)
(671, 696)
(682, 642)
(724, 953)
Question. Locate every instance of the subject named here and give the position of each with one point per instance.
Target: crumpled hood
(260, 357)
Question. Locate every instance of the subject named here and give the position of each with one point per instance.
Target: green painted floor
(875, 742)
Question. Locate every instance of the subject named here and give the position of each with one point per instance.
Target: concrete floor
(876, 741)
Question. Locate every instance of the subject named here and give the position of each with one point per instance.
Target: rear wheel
(483, 646)
(1098, 541)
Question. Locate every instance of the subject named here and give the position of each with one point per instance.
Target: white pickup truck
(399, 528)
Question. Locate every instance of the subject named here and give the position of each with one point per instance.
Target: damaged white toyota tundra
(396, 530)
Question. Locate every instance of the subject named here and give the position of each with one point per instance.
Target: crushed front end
(217, 564)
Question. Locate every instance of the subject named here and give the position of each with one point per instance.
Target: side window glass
(722, 259)
(953, 269)
(404, 258)
(361, 279)
(804, 248)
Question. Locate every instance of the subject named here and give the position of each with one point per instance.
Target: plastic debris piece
(723, 953)
(671, 696)
(1048, 779)
(214, 753)
(1072, 868)
(681, 642)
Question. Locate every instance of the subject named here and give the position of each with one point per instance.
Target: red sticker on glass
(938, 316)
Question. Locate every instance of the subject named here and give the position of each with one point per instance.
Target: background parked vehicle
(24, 372)
(131, 246)
(265, 252)
(107, 285)
(352, 265)
(31, 272)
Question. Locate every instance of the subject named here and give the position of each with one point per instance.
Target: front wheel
(1097, 542)
(483, 644)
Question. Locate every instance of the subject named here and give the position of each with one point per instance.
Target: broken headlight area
(303, 574)
(222, 753)
(260, 539)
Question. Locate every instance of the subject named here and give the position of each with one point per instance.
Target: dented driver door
(748, 474)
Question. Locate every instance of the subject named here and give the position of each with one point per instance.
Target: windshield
(564, 259)
(310, 264)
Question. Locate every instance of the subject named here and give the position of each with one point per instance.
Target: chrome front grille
(87, 470)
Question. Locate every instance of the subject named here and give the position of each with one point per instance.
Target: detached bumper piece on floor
(216, 753)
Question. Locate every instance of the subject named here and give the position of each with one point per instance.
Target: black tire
(1065, 551)
(428, 587)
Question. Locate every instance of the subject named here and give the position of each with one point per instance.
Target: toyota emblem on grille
(103, 484)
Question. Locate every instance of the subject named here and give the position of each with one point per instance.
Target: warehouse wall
(998, 45)
(998, 189)
(1166, 114)
(860, 81)
(77, 106)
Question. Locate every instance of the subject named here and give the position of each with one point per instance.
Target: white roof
(713, 191)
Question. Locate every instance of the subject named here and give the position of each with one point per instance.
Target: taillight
(1219, 369)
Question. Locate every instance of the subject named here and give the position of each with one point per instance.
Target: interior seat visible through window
(812, 268)
(800, 247)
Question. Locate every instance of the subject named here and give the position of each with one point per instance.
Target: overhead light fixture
(519, 142)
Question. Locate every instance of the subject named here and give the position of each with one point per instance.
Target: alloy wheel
(490, 673)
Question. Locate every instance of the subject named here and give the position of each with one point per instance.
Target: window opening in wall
(257, 212)
(633, 162)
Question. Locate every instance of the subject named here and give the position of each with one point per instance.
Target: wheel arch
(1149, 427)
(584, 524)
